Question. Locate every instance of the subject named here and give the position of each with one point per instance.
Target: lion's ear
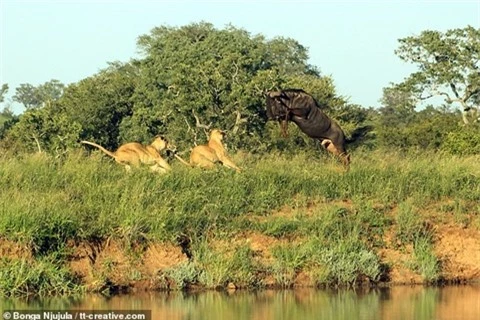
(326, 143)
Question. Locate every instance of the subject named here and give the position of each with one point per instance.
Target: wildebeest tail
(359, 134)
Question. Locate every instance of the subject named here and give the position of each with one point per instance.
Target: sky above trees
(353, 41)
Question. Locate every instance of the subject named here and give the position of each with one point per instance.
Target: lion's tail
(181, 160)
(111, 154)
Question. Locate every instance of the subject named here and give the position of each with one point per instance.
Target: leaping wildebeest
(301, 108)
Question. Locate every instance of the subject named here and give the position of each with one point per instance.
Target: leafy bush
(465, 141)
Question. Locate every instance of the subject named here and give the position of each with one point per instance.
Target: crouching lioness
(134, 154)
(206, 156)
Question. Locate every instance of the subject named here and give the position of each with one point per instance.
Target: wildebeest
(301, 108)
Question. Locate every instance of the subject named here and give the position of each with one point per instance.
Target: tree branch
(436, 92)
(238, 121)
(234, 76)
(454, 89)
(38, 143)
(198, 124)
(190, 129)
(469, 93)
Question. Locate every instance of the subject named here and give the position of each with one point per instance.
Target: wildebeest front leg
(284, 124)
(284, 128)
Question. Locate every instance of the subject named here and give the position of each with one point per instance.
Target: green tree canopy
(188, 80)
(3, 91)
(7, 118)
(448, 66)
(100, 103)
(196, 77)
(35, 97)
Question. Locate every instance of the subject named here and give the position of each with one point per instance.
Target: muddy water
(402, 303)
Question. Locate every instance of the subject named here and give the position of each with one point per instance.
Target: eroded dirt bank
(110, 264)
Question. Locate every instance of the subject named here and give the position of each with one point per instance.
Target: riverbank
(111, 268)
(82, 225)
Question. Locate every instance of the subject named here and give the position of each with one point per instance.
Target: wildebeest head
(277, 105)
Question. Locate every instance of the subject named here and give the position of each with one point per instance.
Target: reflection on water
(402, 303)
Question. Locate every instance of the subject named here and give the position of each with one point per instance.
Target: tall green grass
(45, 277)
(48, 202)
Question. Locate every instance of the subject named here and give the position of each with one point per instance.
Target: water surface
(397, 303)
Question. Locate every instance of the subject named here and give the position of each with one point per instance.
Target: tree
(3, 91)
(50, 91)
(7, 118)
(35, 97)
(399, 125)
(196, 78)
(449, 67)
(100, 103)
(188, 81)
(43, 130)
(26, 94)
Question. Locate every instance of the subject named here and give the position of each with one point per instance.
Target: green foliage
(448, 66)
(48, 202)
(245, 270)
(3, 91)
(45, 129)
(342, 247)
(44, 277)
(214, 266)
(425, 261)
(280, 227)
(289, 260)
(183, 275)
(223, 89)
(91, 109)
(7, 120)
(34, 97)
(194, 78)
(26, 94)
(401, 127)
(221, 267)
(410, 225)
(190, 80)
(347, 261)
(463, 142)
(213, 269)
(99, 104)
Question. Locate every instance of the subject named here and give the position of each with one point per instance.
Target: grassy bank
(314, 220)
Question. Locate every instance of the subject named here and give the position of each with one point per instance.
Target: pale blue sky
(352, 41)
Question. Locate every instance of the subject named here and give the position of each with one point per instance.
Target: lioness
(330, 147)
(206, 156)
(134, 153)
